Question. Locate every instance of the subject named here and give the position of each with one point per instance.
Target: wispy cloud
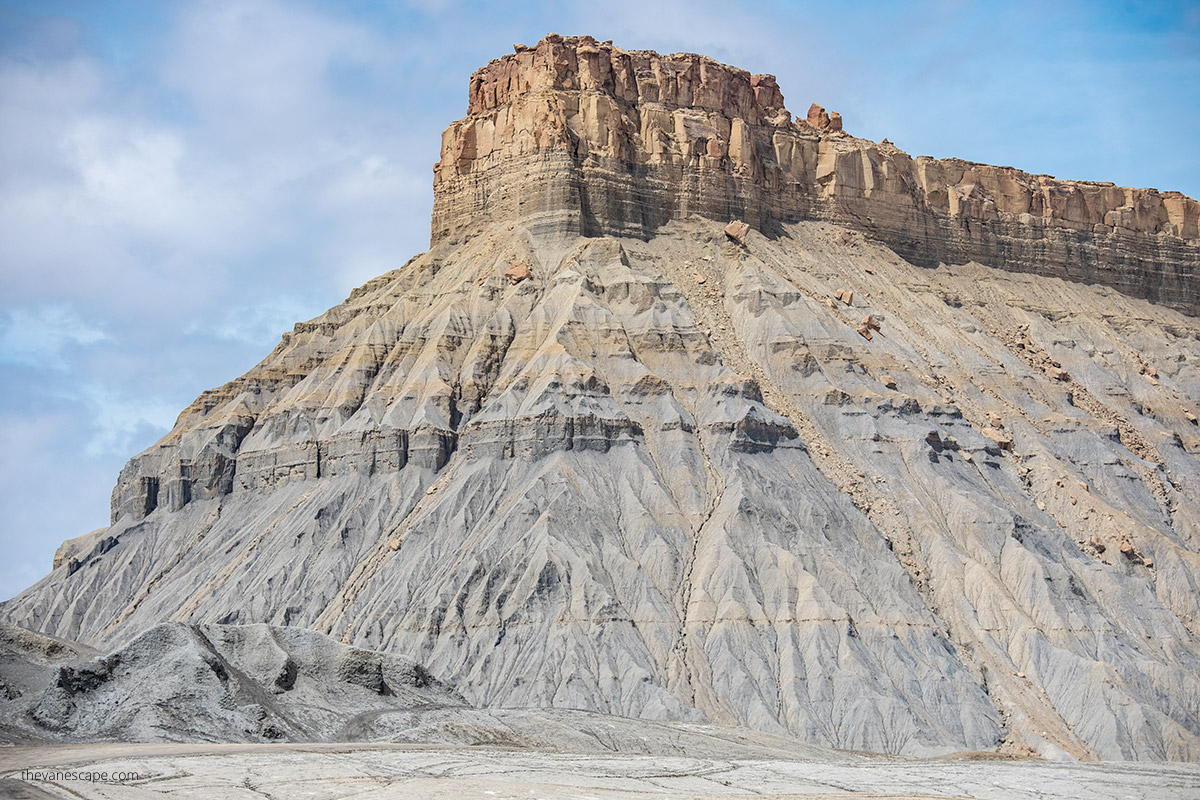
(248, 140)
(117, 418)
(260, 325)
(43, 336)
(259, 74)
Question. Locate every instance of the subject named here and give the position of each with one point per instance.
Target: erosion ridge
(583, 138)
(257, 683)
(788, 480)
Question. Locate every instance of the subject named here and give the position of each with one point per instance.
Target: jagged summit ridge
(583, 138)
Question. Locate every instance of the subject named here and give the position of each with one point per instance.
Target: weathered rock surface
(665, 476)
(29, 662)
(576, 136)
(258, 683)
(210, 683)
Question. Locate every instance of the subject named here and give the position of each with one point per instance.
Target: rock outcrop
(258, 683)
(207, 683)
(665, 474)
(580, 137)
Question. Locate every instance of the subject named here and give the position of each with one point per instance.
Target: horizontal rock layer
(578, 137)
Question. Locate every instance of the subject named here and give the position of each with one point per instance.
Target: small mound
(203, 683)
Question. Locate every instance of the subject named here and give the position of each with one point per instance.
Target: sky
(181, 182)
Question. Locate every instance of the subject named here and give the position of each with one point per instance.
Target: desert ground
(371, 771)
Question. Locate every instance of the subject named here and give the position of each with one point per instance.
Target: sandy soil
(367, 772)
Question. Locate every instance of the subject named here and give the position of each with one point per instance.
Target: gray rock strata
(209, 683)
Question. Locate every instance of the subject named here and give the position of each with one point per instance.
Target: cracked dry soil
(317, 771)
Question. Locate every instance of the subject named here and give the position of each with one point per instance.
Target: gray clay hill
(905, 462)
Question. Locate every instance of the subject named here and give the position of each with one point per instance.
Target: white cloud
(260, 324)
(117, 420)
(41, 336)
(128, 175)
(366, 182)
(257, 74)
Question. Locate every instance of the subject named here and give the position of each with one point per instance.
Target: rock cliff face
(579, 137)
(584, 454)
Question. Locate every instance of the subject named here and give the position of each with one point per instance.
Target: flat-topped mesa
(579, 137)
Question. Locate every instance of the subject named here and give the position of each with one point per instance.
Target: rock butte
(598, 449)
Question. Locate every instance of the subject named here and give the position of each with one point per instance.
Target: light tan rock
(81, 548)
(717, 142)
(1003, 439)
(737, 230)
(518, 272)
(817, 117)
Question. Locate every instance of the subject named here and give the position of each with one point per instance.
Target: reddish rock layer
(577, 136)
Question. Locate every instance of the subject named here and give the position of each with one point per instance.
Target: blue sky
(182, 181)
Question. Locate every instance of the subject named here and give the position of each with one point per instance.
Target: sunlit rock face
(594, 451)
(579, 137)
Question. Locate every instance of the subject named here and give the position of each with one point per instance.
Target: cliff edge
(580, 137)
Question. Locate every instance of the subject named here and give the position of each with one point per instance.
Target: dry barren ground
(367, 772)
